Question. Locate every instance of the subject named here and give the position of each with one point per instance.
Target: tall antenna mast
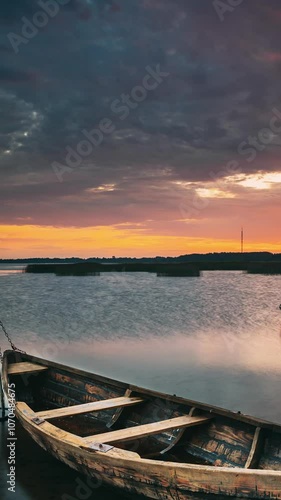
(242, 240)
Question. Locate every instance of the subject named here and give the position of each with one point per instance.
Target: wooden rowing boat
(144, 442)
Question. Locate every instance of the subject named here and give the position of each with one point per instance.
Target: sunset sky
(139, 127)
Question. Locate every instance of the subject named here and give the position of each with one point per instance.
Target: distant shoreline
(184, 265)
(195, 257)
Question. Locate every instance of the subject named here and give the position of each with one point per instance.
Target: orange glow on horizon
(106, 241)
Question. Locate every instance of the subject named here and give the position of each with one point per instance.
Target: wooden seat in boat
(106, 404)
(25, 368)
(141, 431)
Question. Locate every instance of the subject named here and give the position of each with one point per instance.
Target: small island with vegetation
(183, 265)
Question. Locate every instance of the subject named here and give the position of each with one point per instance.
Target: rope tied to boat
(10, 342)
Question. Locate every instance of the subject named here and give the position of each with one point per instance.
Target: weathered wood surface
(176, 439)
(154, 410)
(25, 368)
(51, 400)
(117, 414)
(49, 430)
(222, 443)
(141, 431)
(65, 389)
(228, 437)
(107, 404)
(67, 383)
(150, 478)
(256, 450)
(271, 457)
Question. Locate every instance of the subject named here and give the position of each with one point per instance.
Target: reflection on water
(214, 339)
(8, 270)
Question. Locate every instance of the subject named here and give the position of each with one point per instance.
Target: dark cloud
(222, 86)
(10, 11)
(12, 75)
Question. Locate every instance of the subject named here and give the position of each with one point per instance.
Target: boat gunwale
(257, 422)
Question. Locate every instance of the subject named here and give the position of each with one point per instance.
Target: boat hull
(155, 479)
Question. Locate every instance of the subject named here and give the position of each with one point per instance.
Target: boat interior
(108, 412)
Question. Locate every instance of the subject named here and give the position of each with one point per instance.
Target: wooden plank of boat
(24, 368)
(51, 431)
(119, 411)
(141, 431)
(255, 449)
(107, 404)
(179, 436)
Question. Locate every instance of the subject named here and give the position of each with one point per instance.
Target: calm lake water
(214, 339)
